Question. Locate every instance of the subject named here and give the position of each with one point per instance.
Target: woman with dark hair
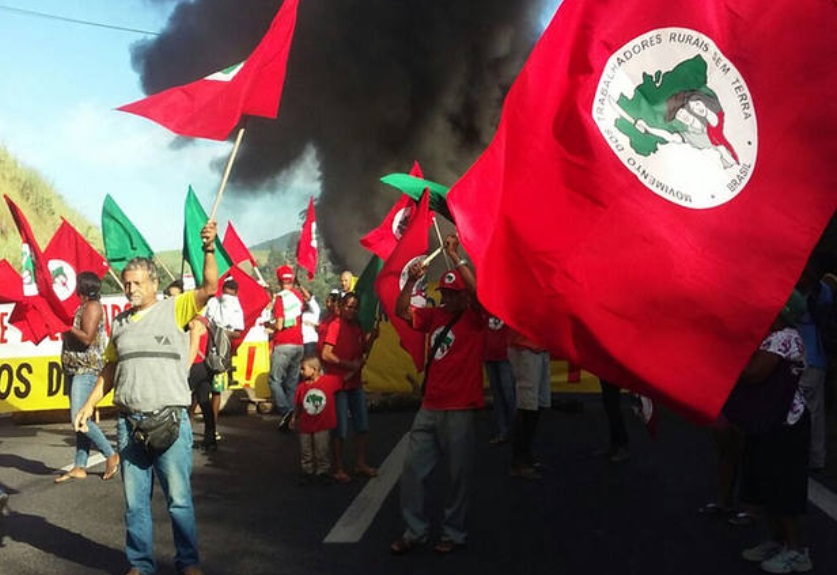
(81, 357)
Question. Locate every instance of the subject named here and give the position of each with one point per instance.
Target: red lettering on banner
(573, 373)
(251, 359)
(4, 316)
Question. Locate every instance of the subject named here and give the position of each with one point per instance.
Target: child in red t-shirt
(314, 417)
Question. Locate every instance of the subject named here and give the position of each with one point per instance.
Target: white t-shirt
(310, 321)
(226, 312)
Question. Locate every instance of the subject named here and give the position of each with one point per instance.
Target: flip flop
(342, 477)
(111, 470)
(366, 471)
(67, 477)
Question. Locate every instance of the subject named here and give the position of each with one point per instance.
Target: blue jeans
(354, 401)
(80, 386)
(173, 469)
(433, 436)
(284, 375)
(501, 379)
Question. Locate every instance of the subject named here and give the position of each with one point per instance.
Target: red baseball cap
(452, 280)
(285, 274)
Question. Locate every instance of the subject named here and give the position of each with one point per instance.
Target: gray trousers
(437, 435)
(812, 384)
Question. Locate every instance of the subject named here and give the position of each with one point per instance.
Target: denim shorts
(354, 401)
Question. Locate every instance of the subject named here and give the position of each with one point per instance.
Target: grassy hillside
(41, 205)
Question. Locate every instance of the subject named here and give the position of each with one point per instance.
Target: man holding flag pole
(452, 390)
(147, 365)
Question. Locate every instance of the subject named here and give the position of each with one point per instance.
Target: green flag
(414, 187)
(122, 240)
(367, 298)
(195, 219)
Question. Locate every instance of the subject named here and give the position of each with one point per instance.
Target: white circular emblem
(449, 278)
(679, 116)
(63, 278)
(400, 221)
(419, 297)
(495, 324)
(314, 402)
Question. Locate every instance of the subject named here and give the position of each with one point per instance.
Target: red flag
(67, 255)
(382, 240)
(630, 190)
(31, 315)
(251, 295)
(37, 279)
(235, 247)
(306, 249)
(211, 107)
(393, 275)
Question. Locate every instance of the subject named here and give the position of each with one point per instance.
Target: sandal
(342, 477)
(366, 471)
(112, 468)
(71, 474)
(446, 546)
(403, 545)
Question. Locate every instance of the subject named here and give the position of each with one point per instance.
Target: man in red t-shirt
(286, 324)
(444, 426)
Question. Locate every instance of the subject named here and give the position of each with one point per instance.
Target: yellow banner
(31, 378)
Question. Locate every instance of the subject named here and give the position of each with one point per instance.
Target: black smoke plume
(371, 84)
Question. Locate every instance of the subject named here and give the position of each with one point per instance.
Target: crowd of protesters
(770, 434)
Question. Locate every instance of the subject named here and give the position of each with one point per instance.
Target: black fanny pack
(157, 431)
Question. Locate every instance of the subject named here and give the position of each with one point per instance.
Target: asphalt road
(585, 516)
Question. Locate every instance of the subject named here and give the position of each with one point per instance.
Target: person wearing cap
(286, 324)
(444, 425)
(768, 405)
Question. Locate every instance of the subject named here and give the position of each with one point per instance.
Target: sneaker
(762, 552)
(788, 561)
(218, 436)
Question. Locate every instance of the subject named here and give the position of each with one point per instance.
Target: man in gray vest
(147, 366)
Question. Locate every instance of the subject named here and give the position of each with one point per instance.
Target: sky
(62, 83)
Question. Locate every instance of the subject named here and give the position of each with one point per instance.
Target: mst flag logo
(64, 279)
(679, 116)
(418, 298)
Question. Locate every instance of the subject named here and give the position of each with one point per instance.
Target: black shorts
(774, 468)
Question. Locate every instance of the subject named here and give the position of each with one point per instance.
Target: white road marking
(93, 461)
(358, 517)
(823, 498)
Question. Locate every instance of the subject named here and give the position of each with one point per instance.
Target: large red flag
(67, 255)
(236, 248)
(659, 176)
(31, 315)
(393, 275)
(37, 278)
(306, 249)
(382, 240)
(251, 295)
(211, 107)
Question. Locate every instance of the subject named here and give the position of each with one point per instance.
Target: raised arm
(402, 304)
(210, 267)
(452, 250)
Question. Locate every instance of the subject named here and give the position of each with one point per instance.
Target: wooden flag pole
(227, 171)
(431, 257)
(259, 274)
(162, 265)
(116, 278)
(441, 242)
